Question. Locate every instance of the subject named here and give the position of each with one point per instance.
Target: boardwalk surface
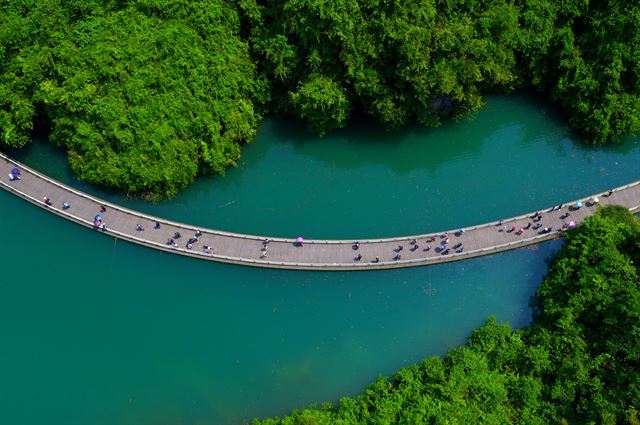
(314, 254)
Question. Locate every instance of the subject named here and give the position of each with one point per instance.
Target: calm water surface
(102, 332)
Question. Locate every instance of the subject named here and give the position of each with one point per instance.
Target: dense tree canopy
(586, 55)
(143, 97)
(398, 61)
(146, 94)
(577, 363)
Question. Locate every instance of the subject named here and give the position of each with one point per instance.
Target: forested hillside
(143, 95)
(147, 94)
(577, 363)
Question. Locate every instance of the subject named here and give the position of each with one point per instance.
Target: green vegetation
(578, 363)
(143, 97)
(147, 94)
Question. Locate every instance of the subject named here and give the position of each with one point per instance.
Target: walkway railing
(253, 250)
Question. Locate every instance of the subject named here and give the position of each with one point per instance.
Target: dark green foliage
(586, 54)
(578, 363)
(146, 94)
(399, 61)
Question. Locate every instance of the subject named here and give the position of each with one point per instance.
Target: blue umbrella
(98, 218)
(578, 204)
(15, 171)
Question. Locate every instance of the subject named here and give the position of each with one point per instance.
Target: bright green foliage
(146, 90)
(322, 102)
(578, 363)
(143, 97)
(24, 61)
(589, 308)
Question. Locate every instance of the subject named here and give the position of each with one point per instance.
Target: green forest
(145, 95)
(577, 363)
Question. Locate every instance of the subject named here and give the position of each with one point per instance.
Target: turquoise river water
(96, 331)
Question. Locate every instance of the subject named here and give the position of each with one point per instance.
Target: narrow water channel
(98, 331)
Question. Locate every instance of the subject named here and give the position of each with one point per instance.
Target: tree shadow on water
(366, 142)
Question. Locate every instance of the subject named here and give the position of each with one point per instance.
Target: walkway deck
(315, 254)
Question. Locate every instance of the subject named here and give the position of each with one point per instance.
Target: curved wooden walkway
(315, 254)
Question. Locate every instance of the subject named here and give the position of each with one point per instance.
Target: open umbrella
(578, 204)
(572, 223)
(596, 200)
(15, 171)
(97, 218)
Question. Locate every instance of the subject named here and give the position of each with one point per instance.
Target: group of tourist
(172, 241)
(48, 202)
(414, 245)
(264, 249)
(443, 248)
(537, 218)
(98, 223)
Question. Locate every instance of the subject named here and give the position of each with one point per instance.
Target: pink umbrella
(299, 240)
(572, 224)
